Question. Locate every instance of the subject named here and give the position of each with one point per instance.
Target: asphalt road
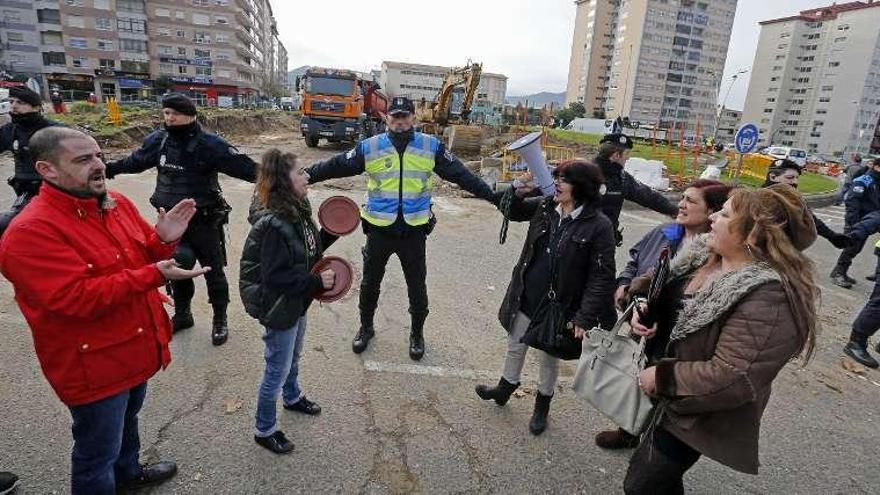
(394, 426)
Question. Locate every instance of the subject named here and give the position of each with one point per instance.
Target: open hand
(328, 278)
(579, 332)
(171, 225)
(170, 270)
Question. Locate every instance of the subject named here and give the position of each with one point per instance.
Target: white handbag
(608, 375)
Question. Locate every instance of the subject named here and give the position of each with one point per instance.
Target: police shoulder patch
(449, 156)
(351, 154)
(858, 189)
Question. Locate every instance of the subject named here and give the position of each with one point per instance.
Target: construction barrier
(753, 165)
(512, 166)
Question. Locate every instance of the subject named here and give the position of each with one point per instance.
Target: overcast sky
(529, 41)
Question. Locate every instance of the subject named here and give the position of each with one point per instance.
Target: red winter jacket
(86, 281)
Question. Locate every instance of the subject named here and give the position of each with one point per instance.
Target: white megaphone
(529, 148)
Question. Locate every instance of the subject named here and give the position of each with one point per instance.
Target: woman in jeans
(567, 262)
(700, 199)
(748, 307)
(277, 286)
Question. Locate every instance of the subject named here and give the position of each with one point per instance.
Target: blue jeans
(283, 349)
(106, 444)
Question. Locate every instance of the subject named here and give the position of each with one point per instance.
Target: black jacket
(446, 165)
(275, 282)
(862, 199)
(188, 164)
(584, 278)
(15, 137)
(620, 185)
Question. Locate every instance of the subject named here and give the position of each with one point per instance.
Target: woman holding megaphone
(562, 285)
(282, 271)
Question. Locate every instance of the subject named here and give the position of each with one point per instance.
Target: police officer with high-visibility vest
(397, 214)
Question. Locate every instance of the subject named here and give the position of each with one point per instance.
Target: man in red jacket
(86, 268)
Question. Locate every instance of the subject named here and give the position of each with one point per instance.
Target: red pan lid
(339, 215)
(344, 276)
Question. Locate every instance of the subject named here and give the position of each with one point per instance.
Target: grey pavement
(394, 426)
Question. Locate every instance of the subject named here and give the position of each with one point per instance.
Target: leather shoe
(276, 442)
(219, 333)
(152, 474)
(617, 439)
(840, 280)
(416, 346)
(8, 482)
(362, 339)
(860, 354)
(304, 406)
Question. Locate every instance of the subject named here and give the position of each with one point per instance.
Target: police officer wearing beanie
(188, 160)
(397, 212)
(27, 118)
(613, 153)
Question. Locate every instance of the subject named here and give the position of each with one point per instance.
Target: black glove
(841, 241)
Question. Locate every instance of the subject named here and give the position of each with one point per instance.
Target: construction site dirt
(391, 425)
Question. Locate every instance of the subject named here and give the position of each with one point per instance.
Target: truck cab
(339, 105)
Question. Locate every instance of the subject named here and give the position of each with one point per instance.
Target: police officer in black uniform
(862, 199)
(188, 160)
(613, 153)
(27, 118)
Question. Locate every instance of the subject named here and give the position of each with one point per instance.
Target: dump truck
(340, 106)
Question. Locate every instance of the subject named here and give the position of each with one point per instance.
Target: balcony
(244, 18)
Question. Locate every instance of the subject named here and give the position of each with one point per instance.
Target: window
(54, 58)
(782, 46)
(221, 3)
(224, 74)
(51, 38)
(777, 67)
(127, 25)
(833, 64)
(203, 71)
(163, 31)
(221, 20)
(130, 6)
(827, 88)
(774, 79)
(840, 39)
(74, 3)
(201, 19)
(163, 13)
(181, 69)
(103, 24)
(768, 110)
(824, 99)
(180, 15)
(80, 62)
(165, 49)
(202, 53)
(49, 16)
(105, 45)
(201, 38)
(76, 21)
(221, 38)
(181, 51)
(200, 3)
(167, 68)
(14, 37)
(222, 55)
(136, 66)
(107, 63)
(771, 100)
(102, 4)
(77, 43)
(134, 46)
(181, 33)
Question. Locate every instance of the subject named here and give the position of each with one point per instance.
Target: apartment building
(816, 79)
(654, 61)
(220, 51)
(728, 123)
(19, 39)
(418, 81)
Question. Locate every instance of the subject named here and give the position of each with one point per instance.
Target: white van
(796, 155)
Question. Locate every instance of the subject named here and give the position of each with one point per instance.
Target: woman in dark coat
(562, 285)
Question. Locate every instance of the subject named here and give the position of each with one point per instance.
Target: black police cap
(621, 140)
(400, 104)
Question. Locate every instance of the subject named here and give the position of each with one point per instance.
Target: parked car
(796, 155)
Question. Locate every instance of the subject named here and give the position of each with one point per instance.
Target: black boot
(417, 337)
(840, 278)
(362, 339)
(220, 327)
(857, 348)
(182, 318)
(539, 417)
(500, 394)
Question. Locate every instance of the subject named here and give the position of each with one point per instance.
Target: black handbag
(550, 330)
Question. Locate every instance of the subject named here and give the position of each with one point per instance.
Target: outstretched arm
(450, 168)
(342, 165)
(144, 158)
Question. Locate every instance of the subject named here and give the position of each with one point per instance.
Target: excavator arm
(438, 110)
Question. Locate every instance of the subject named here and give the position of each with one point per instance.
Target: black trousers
(845, 259)
(410, 249)
(868, 320)
(203, 242)
(658, 465)
(24, 193)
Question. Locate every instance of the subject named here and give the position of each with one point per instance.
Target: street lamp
(733, 79)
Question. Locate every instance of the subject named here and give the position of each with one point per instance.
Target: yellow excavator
(436, 116)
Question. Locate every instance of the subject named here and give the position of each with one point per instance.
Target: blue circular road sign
(746, 138)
